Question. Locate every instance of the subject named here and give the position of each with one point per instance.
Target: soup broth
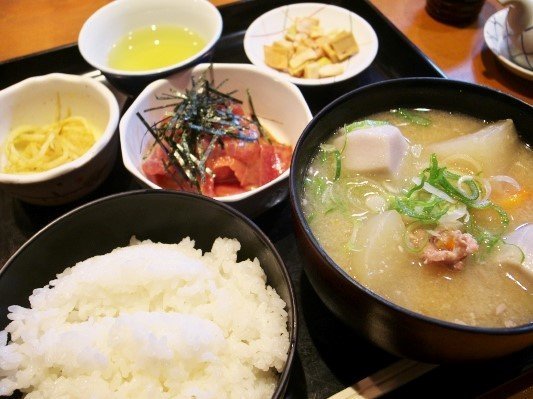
(429, 226)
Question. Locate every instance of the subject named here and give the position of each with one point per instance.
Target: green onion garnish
(328, 150)
(362, 124)
(414, 118)
(428, 207)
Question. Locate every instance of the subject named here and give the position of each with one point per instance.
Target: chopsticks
(385, 380)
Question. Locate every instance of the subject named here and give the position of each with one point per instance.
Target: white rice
(149, 321)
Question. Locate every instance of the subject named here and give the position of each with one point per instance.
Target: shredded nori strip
(200, 119)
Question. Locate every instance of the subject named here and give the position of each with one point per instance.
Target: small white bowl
(497, 39)
(34, 101)
(279, 104)
(272, 25)
(113, 21)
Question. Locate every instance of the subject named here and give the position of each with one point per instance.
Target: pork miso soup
(432, 211)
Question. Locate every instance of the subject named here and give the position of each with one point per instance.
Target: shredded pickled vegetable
(30, 149)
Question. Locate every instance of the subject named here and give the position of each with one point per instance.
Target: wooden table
(29, 26)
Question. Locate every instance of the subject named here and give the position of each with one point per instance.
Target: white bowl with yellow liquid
(134, 42)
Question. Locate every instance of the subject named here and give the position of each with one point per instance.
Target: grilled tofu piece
(276, 57)
(311, 70)
(309, 52)
(302, 57)
(344, 45)
(330, 70)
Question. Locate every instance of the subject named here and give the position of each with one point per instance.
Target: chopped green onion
(413, 117)
(408, 243)
(353, 236)
(427, 212)
(315, 185)
(362, 124)
(417, 205)
(337, 156)
(326, 150)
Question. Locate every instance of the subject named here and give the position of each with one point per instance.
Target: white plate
(496, 39)
(271, 26)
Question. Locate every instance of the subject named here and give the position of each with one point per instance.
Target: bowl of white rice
(147, 294)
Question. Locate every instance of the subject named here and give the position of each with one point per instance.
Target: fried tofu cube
(308, 51)
(300, 37)
(330, 53)
(297, 72)
(307, 41)
(290, 34)
(276, 57)
(319, 52)
(324, 61)
(302, 57)
(306, 24)
(330, 70)
(316, 32)
(311, 70)
(300, 48)
(332, 33)
(344, 45)
(285, 45)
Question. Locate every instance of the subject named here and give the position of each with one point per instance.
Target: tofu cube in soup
(376, 149)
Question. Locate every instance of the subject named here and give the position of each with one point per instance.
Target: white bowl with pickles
(57, 137)
(311, 44)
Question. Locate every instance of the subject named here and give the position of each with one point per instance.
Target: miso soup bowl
(115, 20)
(389, 326)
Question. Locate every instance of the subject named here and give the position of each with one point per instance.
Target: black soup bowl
(161, 216)
(394, 328)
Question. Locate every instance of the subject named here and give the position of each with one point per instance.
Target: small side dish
(308, 51)
(155, 46)
(225, 130)
(311, 43)
(496, 38)
(151, 320)
(135, 42)
(57, 137)
(208, 144)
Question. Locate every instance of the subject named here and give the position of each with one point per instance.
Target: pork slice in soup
(432, 211)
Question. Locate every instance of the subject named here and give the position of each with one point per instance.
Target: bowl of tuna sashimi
(226, 131)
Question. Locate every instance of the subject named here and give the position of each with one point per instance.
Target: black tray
(330, 356)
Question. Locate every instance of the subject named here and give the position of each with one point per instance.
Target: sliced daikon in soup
(378, 245)
(492, 147)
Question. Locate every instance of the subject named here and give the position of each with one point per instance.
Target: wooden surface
(29, 26)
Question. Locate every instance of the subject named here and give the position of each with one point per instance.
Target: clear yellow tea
(155, 46)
